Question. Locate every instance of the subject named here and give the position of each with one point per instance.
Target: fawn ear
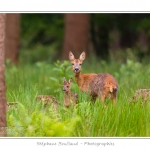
(64, 79)
(71, 56)
(70, 80)
(82, 56)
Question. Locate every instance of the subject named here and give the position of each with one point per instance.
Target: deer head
(67, 85)
(76, 63)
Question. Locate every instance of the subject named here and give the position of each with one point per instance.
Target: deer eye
(67, 86)
(72, 64)
(80, 64)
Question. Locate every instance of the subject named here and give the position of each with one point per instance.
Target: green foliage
(41, 37)
(130, 68)
(144, 24)
(61, 69)
(40, 123)
(127, 28)
(38, 53)
(41, 29)
(42, 34)
(31, 118)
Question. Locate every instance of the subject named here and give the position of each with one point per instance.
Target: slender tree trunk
(76, 36)
(12, 42)
(2, 78)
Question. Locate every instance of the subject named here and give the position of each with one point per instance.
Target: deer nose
(76, 69)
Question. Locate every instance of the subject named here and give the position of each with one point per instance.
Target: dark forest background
(48, 37)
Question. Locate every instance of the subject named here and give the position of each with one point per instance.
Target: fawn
(99, 85)
(49, 100)
(143, 94)
(69, 98)
(11, 105)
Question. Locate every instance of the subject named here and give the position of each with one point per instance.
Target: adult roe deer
(69, 97)
(99, 85)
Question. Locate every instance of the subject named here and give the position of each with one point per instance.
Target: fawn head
(76, 63)
(67, 85)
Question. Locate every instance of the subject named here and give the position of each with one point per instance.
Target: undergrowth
(31, 118)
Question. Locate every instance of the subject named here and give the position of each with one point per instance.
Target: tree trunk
(12, 42)
(2, 78)
(76, 36)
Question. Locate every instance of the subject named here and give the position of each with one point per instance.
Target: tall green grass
(26, 81)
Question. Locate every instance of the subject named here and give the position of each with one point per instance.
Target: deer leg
(102, 98)
(114, 101)
(113, 95)
(103, 95)
(93, 99)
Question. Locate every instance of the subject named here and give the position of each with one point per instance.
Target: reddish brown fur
(69, 98)
(99, 85)
(11, 105)
(49, 100)
(141, 94)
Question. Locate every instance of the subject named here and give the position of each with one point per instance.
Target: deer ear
(82, 56)
(71, 56)
(64, 79)
(70, 80)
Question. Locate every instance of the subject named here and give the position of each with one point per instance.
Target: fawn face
(67, 85)
(76, 63)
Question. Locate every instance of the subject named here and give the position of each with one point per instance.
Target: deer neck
(78, 78)
(67, 94)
